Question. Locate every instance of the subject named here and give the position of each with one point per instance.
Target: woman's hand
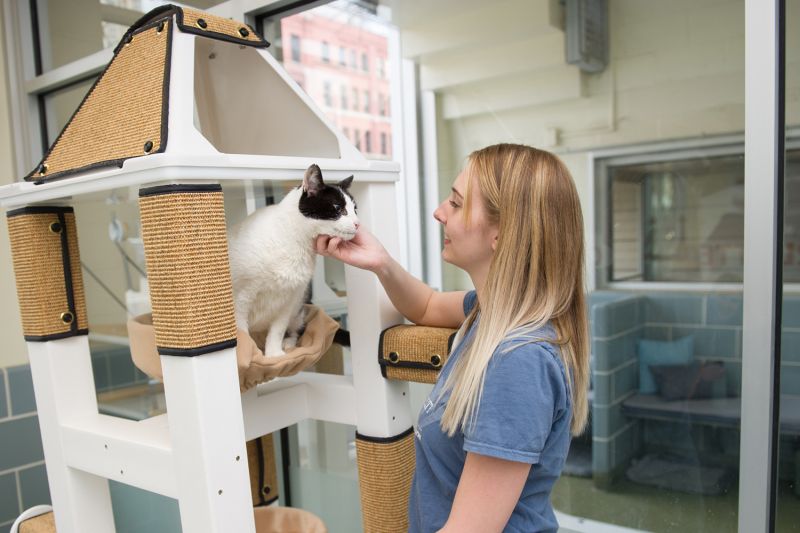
(362, 251)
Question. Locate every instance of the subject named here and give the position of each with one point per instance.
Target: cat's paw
(289, 343)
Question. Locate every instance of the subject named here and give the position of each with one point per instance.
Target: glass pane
(60, 105)
(680, 220)
(665, 188)
(788, 511)
(339, 54)
(71, 30)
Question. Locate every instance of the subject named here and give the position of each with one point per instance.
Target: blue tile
(601, 318)
(657, 333)
(790, 345)
(626, 379)
(609, 354)
(625, 446)
(603, 388)
(790, 379)
(3, 401)
(102, 378)
(9, 503)
(34, 488)
(138, 510)
(712, 342)
(626, 315)
(674, 309)
(20, 384)
(733, 375)
(121, 368)
(791, 312)
(22, 442)
(607, 420)
(724, 310)
(601, 456)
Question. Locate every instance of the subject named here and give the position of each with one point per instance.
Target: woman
(493, 435)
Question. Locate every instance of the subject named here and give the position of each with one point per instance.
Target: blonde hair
(535, 276)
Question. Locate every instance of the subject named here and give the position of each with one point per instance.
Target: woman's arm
(487, 493)
(415, 300)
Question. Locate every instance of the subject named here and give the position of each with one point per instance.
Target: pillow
(652, 352)
(689, 382)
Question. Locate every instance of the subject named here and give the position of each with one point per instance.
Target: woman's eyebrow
(457, 193)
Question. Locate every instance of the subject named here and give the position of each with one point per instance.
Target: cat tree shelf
(194, 100)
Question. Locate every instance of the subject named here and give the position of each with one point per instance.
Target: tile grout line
(7, 385)
(22, 467)
(11, 418)
(19, 494)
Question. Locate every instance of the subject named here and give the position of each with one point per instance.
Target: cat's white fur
(272, 262)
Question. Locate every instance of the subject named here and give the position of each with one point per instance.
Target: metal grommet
(202, 23)
(56, 227)
(243, 32)
(394, 357)
(160, 27)
(128, 40)
(67, 317)
(148, 146)
(436, 360)
(42, 169)
(266, 489)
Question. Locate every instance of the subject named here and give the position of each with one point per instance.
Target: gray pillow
(689, 382)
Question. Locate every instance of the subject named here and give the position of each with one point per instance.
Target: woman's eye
(453, 204)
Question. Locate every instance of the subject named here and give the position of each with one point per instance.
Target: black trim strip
(56, 336)
(178, 188)
(73, 326)
(385, 440)
(39, 210)
(260, 451)
(285, 459)
(37, 40)
(409, 364)
(779, 184)
(201, 350)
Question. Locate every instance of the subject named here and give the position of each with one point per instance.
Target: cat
(272, 256)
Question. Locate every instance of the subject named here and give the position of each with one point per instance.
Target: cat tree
(191, 102)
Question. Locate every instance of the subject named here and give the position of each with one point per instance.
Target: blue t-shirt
(524, 416)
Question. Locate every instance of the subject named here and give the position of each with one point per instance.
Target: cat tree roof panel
(191, 96)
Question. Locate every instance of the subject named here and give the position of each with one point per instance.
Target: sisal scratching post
(414, 353)
(385, 469)
(47, 266)
(263, 474)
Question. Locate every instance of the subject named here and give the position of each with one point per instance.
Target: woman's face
(467, 246)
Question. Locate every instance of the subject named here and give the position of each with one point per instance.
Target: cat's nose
(356, 224)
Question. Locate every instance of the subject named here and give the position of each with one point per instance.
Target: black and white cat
(272, 256)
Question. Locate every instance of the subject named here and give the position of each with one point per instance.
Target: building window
(679, 220)
(367, 141)
(327, 94)
(295, 48)
(381, 105)
(364, 62)
(353, 59)
(344, 97)
(346, 132)
(366, 101)
(342, 59)
(381, 68)
(357, 139)
(325, 53)
(355, 99)
(383, 143)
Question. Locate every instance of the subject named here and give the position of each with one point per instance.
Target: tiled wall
(23, 478)
(715, 322)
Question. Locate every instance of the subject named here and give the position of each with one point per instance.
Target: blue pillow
(652, 352)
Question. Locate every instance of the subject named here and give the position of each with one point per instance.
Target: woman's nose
(438, 215)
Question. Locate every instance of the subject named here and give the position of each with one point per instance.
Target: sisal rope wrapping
(263, 474)
(186, 250)
(385, 470)
(416, 345)
(39, 270)
(219, 25)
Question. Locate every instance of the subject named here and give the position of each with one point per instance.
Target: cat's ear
(345, 183)
(312, 180)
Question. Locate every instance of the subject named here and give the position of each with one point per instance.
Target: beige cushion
(254, 367)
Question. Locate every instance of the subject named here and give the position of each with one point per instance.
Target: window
(342, 59)
(353, 59)
(367, 141)
(325, 53)
(364, 62)
(366, 101)
(346, 132)
(357, 139)
(343, 93)
(355, 99)
(327, 94)
(381, 67)
(383, 143)
(381, 106)
(295, 40)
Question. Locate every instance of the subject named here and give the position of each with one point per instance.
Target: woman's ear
(495, 234)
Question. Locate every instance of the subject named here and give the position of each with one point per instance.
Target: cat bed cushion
(254, 367)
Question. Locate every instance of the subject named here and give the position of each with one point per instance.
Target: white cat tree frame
(195, 453)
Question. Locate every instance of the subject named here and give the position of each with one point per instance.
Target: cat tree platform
(191, 107)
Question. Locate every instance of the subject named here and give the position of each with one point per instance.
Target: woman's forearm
(408, 294)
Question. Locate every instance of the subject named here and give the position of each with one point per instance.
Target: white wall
(13, 350)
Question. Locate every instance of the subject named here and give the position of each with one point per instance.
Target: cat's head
(331, 206)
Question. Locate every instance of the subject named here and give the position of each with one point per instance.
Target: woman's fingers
(321, 244)
(333, 244)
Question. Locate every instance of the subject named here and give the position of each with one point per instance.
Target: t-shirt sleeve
(470, 299)
(524, 393)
